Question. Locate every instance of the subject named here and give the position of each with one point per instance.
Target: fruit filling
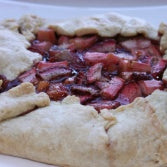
(102, 72)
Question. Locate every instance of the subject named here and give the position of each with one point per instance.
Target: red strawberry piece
(42, 66)
(81, 43)
(94, 73)
(46, 35)
(104, 104)
(104, 46)
(84, 90)
(92, 58)
(57, 91)
(111, 91)
(158, 69)
(42, 86)
(129, 93)
(29, 76)
(53, 73)
(85, 98)
(148, 86)
(40, 47)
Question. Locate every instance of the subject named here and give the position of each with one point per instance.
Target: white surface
(12, 9)
(7, 161)
(99, 3)
(154, 14)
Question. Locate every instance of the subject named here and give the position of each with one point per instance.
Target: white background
(154, 11)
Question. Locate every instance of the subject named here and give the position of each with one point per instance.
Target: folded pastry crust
(21, 99)
(14, 56)
(69, 134)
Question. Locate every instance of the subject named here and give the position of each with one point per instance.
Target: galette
(85, 92)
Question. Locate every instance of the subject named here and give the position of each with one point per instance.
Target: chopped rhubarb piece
(102, 72)
(85, 98)
(102, 104)
(102, 84)
(53, 73)
(144, 59)
(46, 35)
(145, 55)
(57, 91)
(126, 75)
(42, 86)
(126, 65)
(29, 76)
(136, 43)
(63, 40)
(129, 93)
(104, 46)
(84, 90)
(140, 67)
(125, 55)
(70, 80)
(136, 76)
(154, 51)
(141, 48)
(141, 76)
(94, 73)
(40, 47)
(46, 65)
(111, 91)
(59, 54)
(148, 86)
(92, 58)
(158, 69)
(81, 43)
(81, 78)
(139, 53)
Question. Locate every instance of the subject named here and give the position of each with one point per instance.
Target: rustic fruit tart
(88, 92)
(102, 72)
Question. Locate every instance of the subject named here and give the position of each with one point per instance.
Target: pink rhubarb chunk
(46, 35)
(94, 73)
(148, 86)
(92, 58)
(111, 91)
(130, 92)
